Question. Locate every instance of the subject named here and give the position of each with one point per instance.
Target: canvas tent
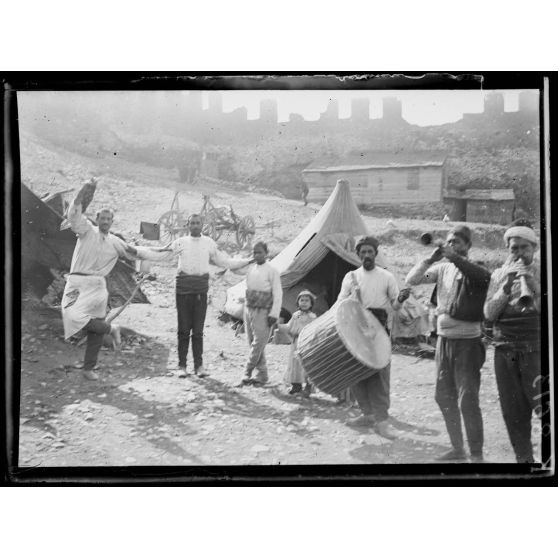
(318, 258)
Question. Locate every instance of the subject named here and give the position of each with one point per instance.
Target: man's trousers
(257, 331)
(191, 310)
(372, 394)
(96, 329)
(458, 364)
(518, 375)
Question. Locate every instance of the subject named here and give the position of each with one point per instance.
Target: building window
(413, 179)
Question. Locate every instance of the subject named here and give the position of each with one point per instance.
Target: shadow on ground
(402, 450)
(46, 389)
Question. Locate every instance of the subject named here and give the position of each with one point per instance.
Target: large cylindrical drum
(343, 346)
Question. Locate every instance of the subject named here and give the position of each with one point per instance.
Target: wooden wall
(380, 186)
(499, 212)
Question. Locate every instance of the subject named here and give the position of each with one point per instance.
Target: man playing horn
(84, 303)
(513, 303)
(376, 289)
(461, 287)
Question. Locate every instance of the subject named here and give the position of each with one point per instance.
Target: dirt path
(140, 413)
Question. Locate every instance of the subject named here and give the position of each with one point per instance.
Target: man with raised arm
(461, 287)
(84, 303)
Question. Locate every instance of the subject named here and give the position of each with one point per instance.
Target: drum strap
(382, 316)
(356, 287)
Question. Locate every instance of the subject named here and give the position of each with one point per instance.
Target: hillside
(484, 150)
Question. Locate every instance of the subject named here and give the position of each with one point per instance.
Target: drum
(343, 346)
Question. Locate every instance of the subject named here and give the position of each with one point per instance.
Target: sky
(423, 108)
(419, 107)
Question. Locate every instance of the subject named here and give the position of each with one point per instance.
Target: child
(261, 312)
(296, 374)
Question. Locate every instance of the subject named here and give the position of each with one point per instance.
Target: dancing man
(84, 303)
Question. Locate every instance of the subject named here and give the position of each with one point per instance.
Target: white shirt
(194, 255)
(378, 288)
(266, 278)
(95, 253)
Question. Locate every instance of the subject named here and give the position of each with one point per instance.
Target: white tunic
(86, 296)
(266, 278)
(195, 254)
(378, 288)
(95, 253)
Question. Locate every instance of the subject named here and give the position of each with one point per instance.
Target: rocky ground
(141, 413)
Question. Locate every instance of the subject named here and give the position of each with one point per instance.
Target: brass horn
(526, 295)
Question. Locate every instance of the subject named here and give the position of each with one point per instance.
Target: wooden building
(381, 178)
(496, 206)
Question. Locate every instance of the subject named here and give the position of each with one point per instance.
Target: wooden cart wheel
(170, 226)
(210, 227)
(245, 232)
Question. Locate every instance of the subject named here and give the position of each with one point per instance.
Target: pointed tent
(318, 258)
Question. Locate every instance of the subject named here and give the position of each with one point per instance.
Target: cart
(174, 223)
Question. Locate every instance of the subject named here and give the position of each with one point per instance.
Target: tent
(318, 258)
(45, 246)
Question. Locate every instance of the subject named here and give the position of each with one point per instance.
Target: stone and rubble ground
(141, 413)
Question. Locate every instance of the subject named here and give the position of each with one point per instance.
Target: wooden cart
(174, 223)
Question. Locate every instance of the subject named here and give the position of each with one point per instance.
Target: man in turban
(461, 287)
(513, 303)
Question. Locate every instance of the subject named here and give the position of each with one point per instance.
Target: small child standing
(295, 374)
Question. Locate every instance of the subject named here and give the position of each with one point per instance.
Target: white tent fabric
(334, 228)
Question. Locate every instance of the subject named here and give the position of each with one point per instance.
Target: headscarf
(527, 233)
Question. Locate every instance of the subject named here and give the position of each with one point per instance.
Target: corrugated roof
(378, 160)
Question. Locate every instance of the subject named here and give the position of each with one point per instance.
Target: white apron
(85, 297)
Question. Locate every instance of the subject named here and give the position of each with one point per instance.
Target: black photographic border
(371, 474)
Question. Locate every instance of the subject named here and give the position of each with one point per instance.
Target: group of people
(466, 293)
(468, 297)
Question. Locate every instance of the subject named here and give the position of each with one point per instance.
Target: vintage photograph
(339, 276)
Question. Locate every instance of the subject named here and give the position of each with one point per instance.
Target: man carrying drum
(376, 289)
